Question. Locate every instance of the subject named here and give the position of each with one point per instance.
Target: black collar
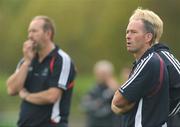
(50, 55)
(160, 47)
(149, 51)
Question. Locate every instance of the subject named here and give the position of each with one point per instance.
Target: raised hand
(28, 50)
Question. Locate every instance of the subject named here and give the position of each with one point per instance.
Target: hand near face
(28, 50)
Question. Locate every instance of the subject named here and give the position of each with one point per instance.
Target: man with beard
(43, 78)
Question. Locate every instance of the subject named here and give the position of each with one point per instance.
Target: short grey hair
(48, 24)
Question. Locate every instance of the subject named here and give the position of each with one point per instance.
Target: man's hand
(23, 94)
(120, 104)
(48, 96)
(116, 110)
(28, 50)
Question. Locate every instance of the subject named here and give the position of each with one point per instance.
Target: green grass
(9, 102)
(3, 78)
(82, 84)
(9, 106)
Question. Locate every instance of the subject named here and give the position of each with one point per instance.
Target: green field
(9, 106)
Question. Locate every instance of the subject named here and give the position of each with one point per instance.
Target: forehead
(135, 25)
(36, 24)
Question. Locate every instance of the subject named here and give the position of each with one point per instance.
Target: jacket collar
(160, 47)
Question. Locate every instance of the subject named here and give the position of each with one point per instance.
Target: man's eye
(133, 32)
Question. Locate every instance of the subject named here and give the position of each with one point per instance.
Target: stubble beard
(37, 47)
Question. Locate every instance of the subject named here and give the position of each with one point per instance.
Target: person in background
(124, 74)
(97, 102)
(44, 78)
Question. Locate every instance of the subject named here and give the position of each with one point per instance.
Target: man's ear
(48, 33)
(149, 37)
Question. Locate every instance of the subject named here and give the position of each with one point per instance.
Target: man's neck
(139, 54)
(45, 51)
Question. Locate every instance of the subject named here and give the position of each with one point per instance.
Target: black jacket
(173, 66)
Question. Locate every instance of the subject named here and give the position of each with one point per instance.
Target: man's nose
(127, 36)
(30, 36)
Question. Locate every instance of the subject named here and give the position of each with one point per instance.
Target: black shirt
(147, 86)
(173, 66)
(40, 77)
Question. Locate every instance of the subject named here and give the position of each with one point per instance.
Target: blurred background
(88, 30)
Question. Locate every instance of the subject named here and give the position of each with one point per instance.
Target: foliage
(88, 30)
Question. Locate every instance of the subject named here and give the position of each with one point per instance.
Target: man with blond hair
(143, 98)
(172, 64)
(43, 78)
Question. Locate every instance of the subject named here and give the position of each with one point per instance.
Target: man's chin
(36, 48)
(130, 51)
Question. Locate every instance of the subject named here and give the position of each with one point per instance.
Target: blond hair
(152, 19)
